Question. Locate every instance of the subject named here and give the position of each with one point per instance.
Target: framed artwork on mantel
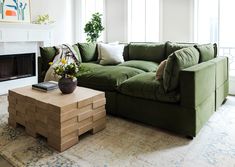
(15, 11)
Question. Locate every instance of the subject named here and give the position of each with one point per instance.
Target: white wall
(60, 11)
(116, 20)
(177, 20)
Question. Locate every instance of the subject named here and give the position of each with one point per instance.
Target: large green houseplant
(94, 28)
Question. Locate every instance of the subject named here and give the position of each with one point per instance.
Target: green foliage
(2, 8)
(72, 70)
(43, 19)
(65, 70)
(94, 27)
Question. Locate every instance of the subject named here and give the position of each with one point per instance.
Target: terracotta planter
(67, 85)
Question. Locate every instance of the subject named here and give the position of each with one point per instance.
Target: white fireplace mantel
(18, 38)
(13, 32)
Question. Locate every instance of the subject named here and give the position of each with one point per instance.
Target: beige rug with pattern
(124, 143)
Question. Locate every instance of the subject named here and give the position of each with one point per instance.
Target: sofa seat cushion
(146, 66)
(107, 78)
(91, 66)
(146, 86)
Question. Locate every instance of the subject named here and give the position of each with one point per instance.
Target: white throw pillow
(98, 46)
(111, 54)
(114, 43)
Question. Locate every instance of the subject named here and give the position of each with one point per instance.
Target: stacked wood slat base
(59, 118)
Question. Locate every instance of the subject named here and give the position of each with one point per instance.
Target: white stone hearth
(23, 38)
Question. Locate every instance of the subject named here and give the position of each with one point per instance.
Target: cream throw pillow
(111, 54)
(160, 70)
(98, 48)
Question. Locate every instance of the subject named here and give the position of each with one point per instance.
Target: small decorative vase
(67, 85)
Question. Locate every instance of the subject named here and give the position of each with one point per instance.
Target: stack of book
(45, 86)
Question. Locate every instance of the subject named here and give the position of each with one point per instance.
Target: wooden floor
(4, 163)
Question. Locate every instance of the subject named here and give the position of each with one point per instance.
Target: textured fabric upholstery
(147, 51)
(171, 47)
(206, 51)
(197, 83)
(75, 47)
(177, 61)
(88, 51)
(107, 78)
(47, 55)
(146, 66)
(148, 87)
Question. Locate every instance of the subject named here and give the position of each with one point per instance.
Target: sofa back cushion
(47, 56)
(88, 51)
(207, 51)
(171, 47)
(147, 51)
(76, 49)
(177, 61)
(126, 51)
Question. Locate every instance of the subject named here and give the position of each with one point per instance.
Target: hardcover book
(45, 86)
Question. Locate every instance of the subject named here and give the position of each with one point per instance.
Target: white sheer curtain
(143, 20)
(227, 37)
(206, 21)
(214, 23)
(227, 31)
(89, 7)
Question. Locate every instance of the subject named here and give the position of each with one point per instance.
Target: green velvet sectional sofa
(133, 92)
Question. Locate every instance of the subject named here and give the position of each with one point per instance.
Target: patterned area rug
(124, 143)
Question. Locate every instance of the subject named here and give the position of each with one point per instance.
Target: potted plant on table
(68, 76)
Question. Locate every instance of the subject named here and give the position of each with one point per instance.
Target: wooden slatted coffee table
(59, 118)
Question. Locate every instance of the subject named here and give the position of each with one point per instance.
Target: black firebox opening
(17, 66)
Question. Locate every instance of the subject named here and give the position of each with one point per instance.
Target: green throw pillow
(215, 49)
(76, 49)
(47, 55)
(126, 52)
(88, 51)
(207, 52)
(171, 47)
(177, 61)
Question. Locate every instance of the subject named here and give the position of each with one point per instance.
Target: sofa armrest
(197, 83)
(221, 79)
(222, 69)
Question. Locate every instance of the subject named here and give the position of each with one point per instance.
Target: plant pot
(67, 85)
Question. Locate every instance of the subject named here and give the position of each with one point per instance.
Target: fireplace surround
(16, 66)
(19, 51)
